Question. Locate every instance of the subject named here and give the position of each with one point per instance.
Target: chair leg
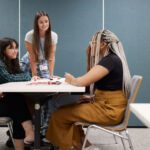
(122, 140)
(11, 131)
(115, 139)
(84, 143)
(129, 140)
(85, 139)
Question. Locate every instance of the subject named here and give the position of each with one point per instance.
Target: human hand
(86, 98)
(68, 77)
(35, 78)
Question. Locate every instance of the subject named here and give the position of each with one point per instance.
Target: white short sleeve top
(29, 36)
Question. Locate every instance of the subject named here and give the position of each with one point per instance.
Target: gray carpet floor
(140, 139)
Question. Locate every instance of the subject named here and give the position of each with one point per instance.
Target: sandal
(28, 141)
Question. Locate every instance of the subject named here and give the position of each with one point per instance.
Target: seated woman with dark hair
(13, 104)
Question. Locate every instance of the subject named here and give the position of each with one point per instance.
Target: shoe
(50, 146)
(29, 143)
(8, 133)
(9, 143)
(27, 148)
(28, 140)
(46, 143)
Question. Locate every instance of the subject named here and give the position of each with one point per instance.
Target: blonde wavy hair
(114, 45)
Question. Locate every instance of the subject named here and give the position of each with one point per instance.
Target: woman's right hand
(68, 77)
(86, 98)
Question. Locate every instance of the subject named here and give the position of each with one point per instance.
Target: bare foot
(29, 139)
(29, 132)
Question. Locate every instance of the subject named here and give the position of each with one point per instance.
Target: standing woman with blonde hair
(109, 72)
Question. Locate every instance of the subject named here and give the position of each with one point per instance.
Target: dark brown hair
(36, 37)
(11, 64)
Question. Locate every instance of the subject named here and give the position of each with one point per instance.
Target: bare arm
(95, 74)
(31, 58)
(51, 60)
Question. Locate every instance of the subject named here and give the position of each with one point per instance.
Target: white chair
(7, 121)
(117, 130)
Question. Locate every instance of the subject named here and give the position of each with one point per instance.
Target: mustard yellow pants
(107, 109)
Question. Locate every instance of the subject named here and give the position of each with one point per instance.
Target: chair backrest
(5, 120)
(135, 86)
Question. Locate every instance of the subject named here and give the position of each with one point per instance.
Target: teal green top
(5, 76)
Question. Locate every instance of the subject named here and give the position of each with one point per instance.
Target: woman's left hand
(35, 78)
(68, 77)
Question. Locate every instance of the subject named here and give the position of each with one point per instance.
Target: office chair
(7, 121)
(117, 130)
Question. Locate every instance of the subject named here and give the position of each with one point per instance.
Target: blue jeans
(56, 102)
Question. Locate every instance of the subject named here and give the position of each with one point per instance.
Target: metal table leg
(37, 123)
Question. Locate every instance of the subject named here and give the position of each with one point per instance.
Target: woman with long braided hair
(109, 72)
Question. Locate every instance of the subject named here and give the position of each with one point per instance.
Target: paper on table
(43, 81)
